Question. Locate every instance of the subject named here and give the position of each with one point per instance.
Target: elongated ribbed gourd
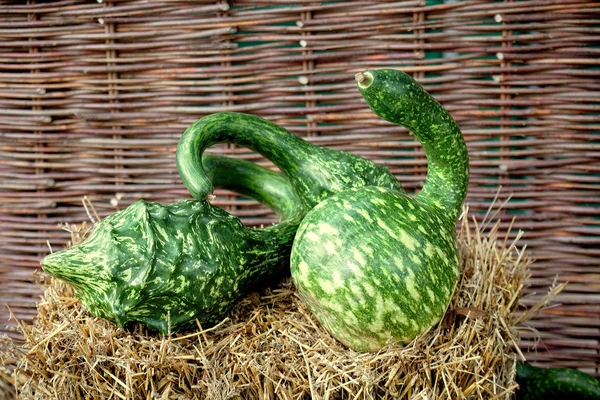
(168, 266)
(373, 264)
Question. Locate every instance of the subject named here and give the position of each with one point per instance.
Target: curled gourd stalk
(315, 172)
(373, 264)
(168, 266)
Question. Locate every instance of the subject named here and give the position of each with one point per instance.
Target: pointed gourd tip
(64, 264)
(52, 262)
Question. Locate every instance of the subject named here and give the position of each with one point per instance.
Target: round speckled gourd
(373, 264)
(168, 266)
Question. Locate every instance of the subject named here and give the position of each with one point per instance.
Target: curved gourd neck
(275, 143)
(397, 98)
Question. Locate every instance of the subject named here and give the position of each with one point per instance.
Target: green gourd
(373, 264)
(168, 266)
(555, 384)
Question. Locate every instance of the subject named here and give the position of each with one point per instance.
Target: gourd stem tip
(364, 79)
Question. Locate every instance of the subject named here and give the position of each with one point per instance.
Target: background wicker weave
(94, 96)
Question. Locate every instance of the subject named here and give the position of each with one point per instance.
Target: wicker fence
(95, 94)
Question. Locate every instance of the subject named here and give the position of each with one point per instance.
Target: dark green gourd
(555, 384)
(166, 266)
(373, 264)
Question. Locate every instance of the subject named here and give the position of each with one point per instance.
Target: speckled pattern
(373, 264)
(166, 266)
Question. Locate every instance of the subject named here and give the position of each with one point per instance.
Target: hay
(271, 347)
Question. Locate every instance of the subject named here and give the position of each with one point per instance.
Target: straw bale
(271, 347)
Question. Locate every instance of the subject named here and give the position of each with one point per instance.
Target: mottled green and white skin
(168, 266)
(373, 264)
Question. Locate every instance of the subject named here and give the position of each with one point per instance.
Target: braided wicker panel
(94, 96)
